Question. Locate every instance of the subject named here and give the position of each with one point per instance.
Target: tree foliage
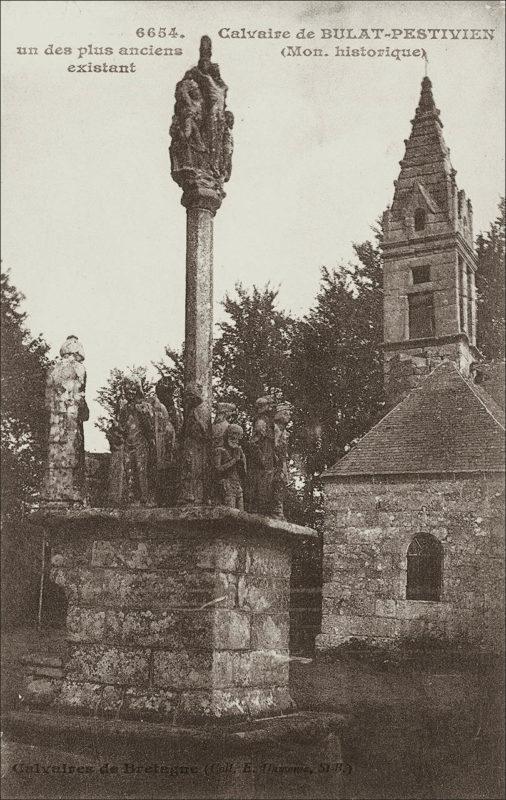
(490, 287)
(337, 379)
(252, 353)
(24, 364)
(111, 395)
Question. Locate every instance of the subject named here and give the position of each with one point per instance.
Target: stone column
(199, 305)
(201, 162)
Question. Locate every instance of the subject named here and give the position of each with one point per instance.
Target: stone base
(173, 614)
(294, 756)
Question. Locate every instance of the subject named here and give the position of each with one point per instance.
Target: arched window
(425, 568)
(420, 219)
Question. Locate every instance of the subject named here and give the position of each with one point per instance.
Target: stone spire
(428, 260)
(426, 159)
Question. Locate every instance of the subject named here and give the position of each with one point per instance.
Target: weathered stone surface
(260, 594)
(64, 479)
(269, 631)
(365, 566)
(85, 624)
(231, 630)
(138, 589)
(141, 703)
(109, 665)
(265, 560)
(239, 702)
(181, 624)
(250, 668)
(174, 630)
(80, 697)
(40, 691)
(195, 522)
(182, 670)
(201, 134)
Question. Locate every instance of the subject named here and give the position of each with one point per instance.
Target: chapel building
(414, 522)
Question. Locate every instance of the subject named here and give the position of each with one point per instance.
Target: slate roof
(447, 424)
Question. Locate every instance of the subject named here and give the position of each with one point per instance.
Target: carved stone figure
(116, 494)
(261, 458)
(187, 143)
(230, 468)
(64, 480)
(201, 134)
(228, 147)
(280, 478)
(165, 442)
(136, 423)
(194, 476)
(221, 422)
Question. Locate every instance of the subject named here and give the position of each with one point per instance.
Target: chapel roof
(445, 425)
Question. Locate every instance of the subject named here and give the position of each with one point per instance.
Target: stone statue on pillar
(221, 422)
(230, 468)
(165, 442)
(261, 458)
(282, 417)
(136, 423)
(201, 133)
(201, 162)
(194, 476)
(64, 480)
(116, 493)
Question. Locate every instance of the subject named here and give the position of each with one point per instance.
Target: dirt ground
(435, 733)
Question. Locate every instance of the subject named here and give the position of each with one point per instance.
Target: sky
(93, 228)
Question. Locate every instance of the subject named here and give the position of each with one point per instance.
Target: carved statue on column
(165, 442)
(261, 457)
(201, 133)
(117, 489)
(194, 478)
(230, 468)
(280, 479)
(221, 422)
(228, 147)
(64, 480)
(136, 423)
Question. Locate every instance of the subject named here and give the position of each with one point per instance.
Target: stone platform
(177, 615)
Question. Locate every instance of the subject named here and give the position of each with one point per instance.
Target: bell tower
(429, 261)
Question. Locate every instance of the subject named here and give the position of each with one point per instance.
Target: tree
(490, 288)
(252, 353)
(109, 396)
(24, 365)
(337, 379)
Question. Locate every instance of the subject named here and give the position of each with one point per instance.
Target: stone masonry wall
(369, 525)
(162, 624)
(405, 369)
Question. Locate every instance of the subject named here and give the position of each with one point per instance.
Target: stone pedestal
(173, 614)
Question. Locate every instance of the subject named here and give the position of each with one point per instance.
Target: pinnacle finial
(206, 49)
(426, 99)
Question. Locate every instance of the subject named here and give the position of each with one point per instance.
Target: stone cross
(201, 162)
